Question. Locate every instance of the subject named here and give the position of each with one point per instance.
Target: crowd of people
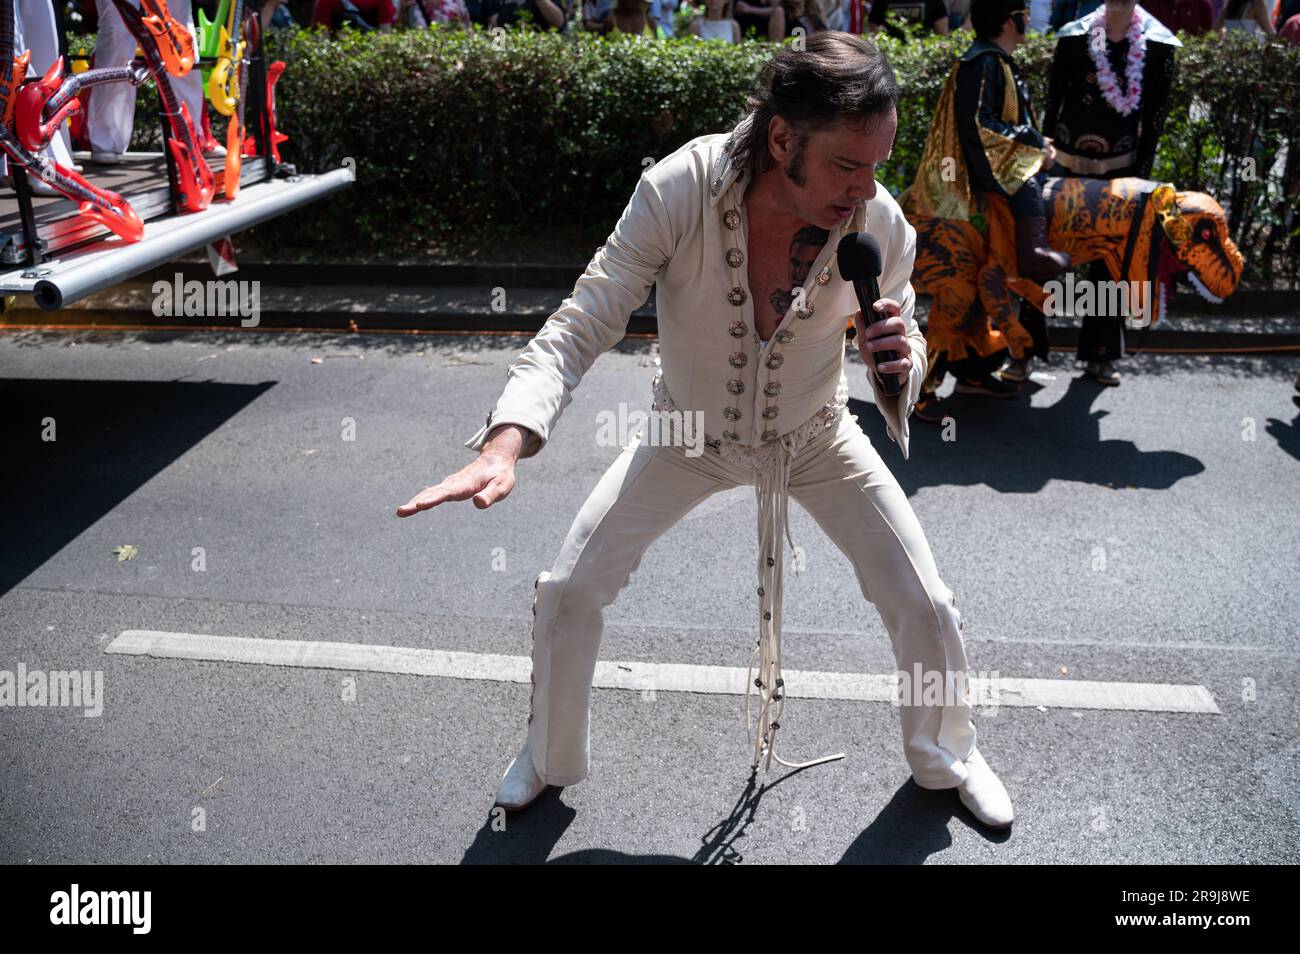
(729, 21)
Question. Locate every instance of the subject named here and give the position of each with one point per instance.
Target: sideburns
(794, 170)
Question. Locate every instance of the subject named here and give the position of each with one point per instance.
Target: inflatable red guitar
(24, 132)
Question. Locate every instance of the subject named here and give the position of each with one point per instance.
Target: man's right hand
(487, 479)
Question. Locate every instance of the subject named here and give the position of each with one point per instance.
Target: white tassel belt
(771, 462)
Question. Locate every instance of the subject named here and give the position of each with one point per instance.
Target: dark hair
(836, 76)
(987, 16)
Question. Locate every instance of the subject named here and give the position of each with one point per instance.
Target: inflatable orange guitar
(236, 133)
(174, 42)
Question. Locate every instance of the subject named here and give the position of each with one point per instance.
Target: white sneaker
(520, 785)
(105, 157)
(984, 794)
(217, 150)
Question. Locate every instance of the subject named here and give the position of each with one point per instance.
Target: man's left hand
(887, 334)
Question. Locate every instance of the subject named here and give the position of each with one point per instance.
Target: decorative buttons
(731, 218)
(824, 275)
(731, 435)
(772, 388)
(769, 436)
(731, 413)
(784, 335)
(771, 412)
(806, 312)
(717, 184)
(735, 257)
(737, 295)
(738, 329)
(775, 360)
(736, 386)
(738, 359)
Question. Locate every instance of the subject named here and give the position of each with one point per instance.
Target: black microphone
(859, 260)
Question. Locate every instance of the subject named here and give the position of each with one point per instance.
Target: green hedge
(466, 141)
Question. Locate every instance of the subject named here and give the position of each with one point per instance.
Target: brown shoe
(1016, 370)
(1033, 258)
(1103, 372)
(987, 386)
(933, 409)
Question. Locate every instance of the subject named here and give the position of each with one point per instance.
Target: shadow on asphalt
(911, 828)
(111, 437)
(1012, 447)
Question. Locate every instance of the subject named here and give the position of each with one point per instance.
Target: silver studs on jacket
(737, 328)
(737, 296)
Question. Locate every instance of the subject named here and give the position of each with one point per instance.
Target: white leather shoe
(984, 794)
(521, 784)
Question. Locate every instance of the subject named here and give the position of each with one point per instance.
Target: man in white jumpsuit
(110, 116)
(740, 233)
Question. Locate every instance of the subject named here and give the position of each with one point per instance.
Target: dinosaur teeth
(1201, 290)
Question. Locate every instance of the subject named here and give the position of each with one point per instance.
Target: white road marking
(642, 676)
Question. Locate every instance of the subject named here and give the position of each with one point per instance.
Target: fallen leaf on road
(125, 551)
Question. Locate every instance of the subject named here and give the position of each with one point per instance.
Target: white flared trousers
(840, 479)
(110, 117)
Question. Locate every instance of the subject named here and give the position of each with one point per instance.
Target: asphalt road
(1186, 479)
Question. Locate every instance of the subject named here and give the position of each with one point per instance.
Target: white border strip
(642, 676)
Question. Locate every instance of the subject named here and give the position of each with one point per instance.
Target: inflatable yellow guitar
(223, 82)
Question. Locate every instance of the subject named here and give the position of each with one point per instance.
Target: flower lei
(1137, 52)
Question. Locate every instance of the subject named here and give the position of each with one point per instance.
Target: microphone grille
(859, 257)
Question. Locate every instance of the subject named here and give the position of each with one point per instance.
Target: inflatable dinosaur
(1143, 231)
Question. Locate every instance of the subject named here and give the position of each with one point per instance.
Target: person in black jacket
(1106, 123)
(983, 141)
(995, 125)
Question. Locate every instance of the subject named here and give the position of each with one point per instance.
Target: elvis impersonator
(740, 232)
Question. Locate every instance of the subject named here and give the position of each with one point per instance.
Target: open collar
(728, 173)
(728, 167)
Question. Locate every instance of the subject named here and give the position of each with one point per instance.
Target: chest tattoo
(804, 249)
